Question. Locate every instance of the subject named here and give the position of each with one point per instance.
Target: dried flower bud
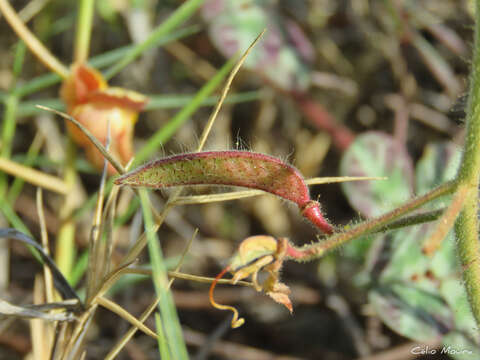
(95, 105)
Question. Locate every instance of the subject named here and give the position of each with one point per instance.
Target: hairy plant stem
(318, 249)
(466, 227)
(411, 220)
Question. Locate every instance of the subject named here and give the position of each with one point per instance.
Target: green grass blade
(37, 84)
(171, 324)
(17, 185)
(182, 14)
(162, 341)
(99, 62)
(29, 107)
(9, 125)
(162, 135)
(110, 57)
(176, 101)
(78, 270)
(13, 218)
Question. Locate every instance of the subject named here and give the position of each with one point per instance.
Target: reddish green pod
(233, 168)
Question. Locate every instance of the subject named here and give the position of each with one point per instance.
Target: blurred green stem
(10, 115)
(65, 249)
(17, 185)
(466, 227)
(84, 30)
(182, 14)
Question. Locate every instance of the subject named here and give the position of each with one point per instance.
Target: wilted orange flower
(94, 104)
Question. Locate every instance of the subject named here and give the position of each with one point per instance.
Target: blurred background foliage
(357, 88)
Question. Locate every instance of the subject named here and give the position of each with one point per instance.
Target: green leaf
(406, 261)
(455, 295)
(431, 299)
(412, 312)
(377, 154)
(459, 347)
(439, 163)
(234, 23)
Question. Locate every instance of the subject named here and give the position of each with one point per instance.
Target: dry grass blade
(33, 176)
(115, 163)
(125, 338)
(225, 90)
(41, 334)
(110, 212)
(31, 9)
(69, 305)
(233, 351)
(182, 258)
(95, 259)
(60, 342)
(446, 222)
(111, 279)
(8, 309)
(180, 275)
(75, 342)
(234, 195)
(61, 283)
(117, 309)
(174, 274)
(203, 199)
(49, 288)
(41, 52)
(337, 179)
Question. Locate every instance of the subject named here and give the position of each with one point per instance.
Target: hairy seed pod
(234, 168)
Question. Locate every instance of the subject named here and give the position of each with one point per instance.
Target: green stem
(317, 250)
(170, 323)
(9, 124)
(65, 249)
(466, 227)
(8, 132)
(84, 30)
(17, 185)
